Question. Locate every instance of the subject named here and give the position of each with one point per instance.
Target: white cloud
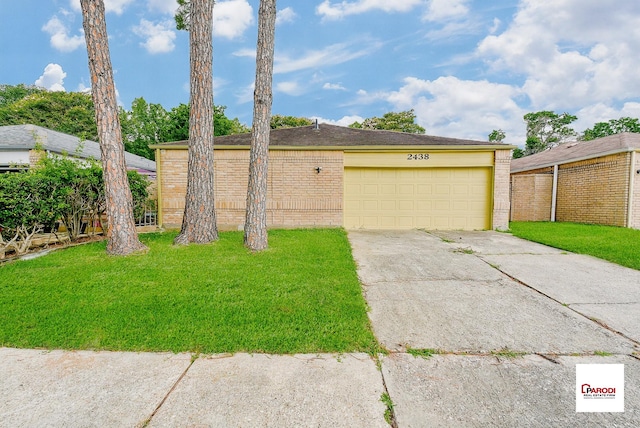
(590, 115)
(330, 10)
(334, 87)
(168, 7)
(292, 88)
(286, 15)
(60, 38)
(330, 55)
(344, 121)
(159, 38)
(115, 6)
(440, 10)
(449, 106)
(567, 57)
(52, 78)
(247, 53)
(245, 95)
(231, 18)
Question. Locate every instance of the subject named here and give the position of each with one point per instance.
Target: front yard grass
(616, 244)
(302, 295)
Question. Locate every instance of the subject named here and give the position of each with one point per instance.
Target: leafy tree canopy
(614, 126)
(10, 94)
(497, 136)
(279, 121)
(546, 129)
(68, 112)
(404, 121)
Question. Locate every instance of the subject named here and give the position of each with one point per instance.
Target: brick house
(594, 181)
(325, 175)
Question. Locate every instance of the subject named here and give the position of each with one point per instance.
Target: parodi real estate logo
(599, 387)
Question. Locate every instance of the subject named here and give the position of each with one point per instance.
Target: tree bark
(255, 227)
(122, 237)
(199, 220)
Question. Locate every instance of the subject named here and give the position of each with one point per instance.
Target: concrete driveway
(509, 319)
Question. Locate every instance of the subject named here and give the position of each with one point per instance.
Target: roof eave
(578, 159)
(368, 148)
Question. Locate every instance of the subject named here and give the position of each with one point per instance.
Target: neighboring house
(18, 144)
(325, 175)
(594, 181)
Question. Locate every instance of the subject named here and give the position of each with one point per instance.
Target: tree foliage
(404, 121)
(497, 136)
(68, 112)
(27, 206)
(546, 129)
(612, 127)
(147, 124)
(10, 94)
(280, 121)
(60, 189)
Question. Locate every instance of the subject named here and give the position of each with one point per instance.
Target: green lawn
(301, 295)
(617, 244)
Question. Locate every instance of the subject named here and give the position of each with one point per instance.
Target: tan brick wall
(594, 191)
(635, 222)
(531, 197)
(501, 203)
(297, 194)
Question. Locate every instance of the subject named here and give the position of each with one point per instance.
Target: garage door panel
(405, 198)
(406, 205)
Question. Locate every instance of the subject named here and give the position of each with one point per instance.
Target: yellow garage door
(408, 198)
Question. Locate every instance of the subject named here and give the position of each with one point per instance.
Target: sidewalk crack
(173, 387)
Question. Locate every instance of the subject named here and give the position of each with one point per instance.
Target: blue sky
(465, 66)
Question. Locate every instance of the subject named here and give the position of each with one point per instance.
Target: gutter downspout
(630, 201)
(554, 193)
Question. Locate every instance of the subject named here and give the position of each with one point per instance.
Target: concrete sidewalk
(509, 318)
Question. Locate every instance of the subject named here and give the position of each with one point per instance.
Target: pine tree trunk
(255, 227)
(122, 237)
(199, 220)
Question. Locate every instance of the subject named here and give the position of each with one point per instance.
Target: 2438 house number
(417, 156)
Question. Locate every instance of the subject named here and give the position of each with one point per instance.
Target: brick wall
(594, 191)
(501, 204)
(297, 194)
(531, 197)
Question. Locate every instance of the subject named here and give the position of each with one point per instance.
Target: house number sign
(418, 156)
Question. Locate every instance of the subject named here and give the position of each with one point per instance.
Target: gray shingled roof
(578, 150)
(25, 137)
(339, 136)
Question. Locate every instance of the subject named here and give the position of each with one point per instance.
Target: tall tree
(199, 220)
(404, 121)
(255, 226)
(546, 129)
(122, 237)
(614, 126)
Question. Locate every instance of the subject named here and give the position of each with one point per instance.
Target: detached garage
(325, 175)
